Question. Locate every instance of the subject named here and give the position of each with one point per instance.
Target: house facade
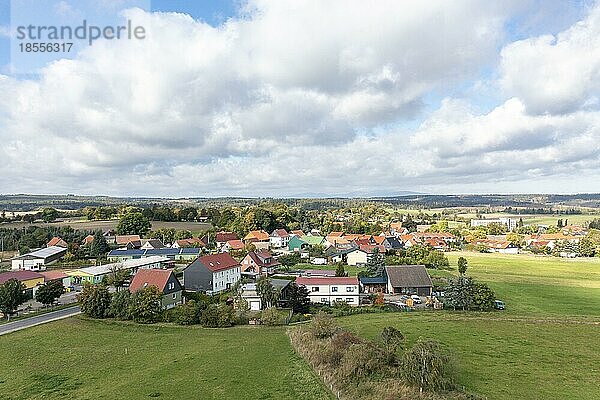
(260, 262)
(164, 280)
(37, 260)
(30, 279)
(279, 238)
(408, 279)
(329, 290)
(212, 273)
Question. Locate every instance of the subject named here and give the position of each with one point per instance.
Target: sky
(310, 98)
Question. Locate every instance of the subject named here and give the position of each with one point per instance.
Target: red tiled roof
(281, 233)
(306, 281)
(190, 242)
(55, 241)
(124, 239)
(236, 244)
(218, 262)
(298, 232)
(150, 277)
(223, 236)
(19, 275)
(53, 275)
(257, 235)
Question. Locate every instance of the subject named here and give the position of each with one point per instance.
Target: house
(147, 244)
(223, 237)
(396, 229)
(255, 302)
(56, 241)
(31, 280)
(297, 244)
(391, 243)
(176, 254)
(56, 275)
(236, 244)
(408, 279)
(256, 236)
(373, 284)
(319, 272)
(123, 240)
(315, 240)
(97, 273)
(212, 273)
(37, 260)
(260, 262)
(357, 257)
(498, 246)
(510, 223)
(297, 232)
(164, 280)
(329, 290)
(279, 238)
(191, 242)
(88, 240)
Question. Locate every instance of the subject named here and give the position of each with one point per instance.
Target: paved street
(38, 320)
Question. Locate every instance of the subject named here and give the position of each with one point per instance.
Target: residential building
(56, 241)
(164, 280)
(408, 279)
(31, 280)
(255, 302)
(357, 257)
(212, 273)
(331, 289)
(223, 237)
(510, 223)
(88, 240)
(123, 240)
(260, 262)
(236, 244)
(297, 232)
(297, 244)
(183, 254)
(37, 260)
(498, 246)
(56, 275)
(148, 244)
(97, 273)
(191, 242)
(279, 238)
(256, 236)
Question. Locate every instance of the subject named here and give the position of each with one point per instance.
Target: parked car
(404, 298)
(499, 305)
(416, 299)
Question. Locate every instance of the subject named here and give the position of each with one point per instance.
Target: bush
(323, 326)
(270, 317)
(361, 361)
(120, 305)
(188, 313)
(428, 366)
(217, 316)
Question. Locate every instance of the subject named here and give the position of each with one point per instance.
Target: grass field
(83, 224)
(539, 285)
(83, 359)
(505, 359)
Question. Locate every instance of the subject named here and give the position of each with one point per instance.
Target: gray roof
(43, 253)
(408, 276)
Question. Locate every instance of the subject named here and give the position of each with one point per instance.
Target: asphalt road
(38, 320)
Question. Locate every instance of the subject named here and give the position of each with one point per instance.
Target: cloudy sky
(295, 98)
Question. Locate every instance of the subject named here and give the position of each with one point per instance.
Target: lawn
(539, 285)
(503, 358)
(82, 359)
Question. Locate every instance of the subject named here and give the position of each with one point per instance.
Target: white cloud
(556, 74)
(277, 103)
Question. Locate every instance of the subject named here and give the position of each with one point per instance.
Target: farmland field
(82, 359)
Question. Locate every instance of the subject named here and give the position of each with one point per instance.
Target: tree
(462, 265)
(117, 276)
(482, 297)
(270, 317)
(120, 305)
(289, 260)
(267, 292)
(12, 295)
(375, 263)
(586, 248)
(217, 316)
(429, 366)
(436, 259)
(458, 293)
(94, 300)
(339, 270)
(145, 305)
(298, 299)
(49, 292)
(133, 223)
(49, 214)
(392, 339)
(99, 246)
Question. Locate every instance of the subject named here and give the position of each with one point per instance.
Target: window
(339, 299)
(349, 299)
(323, 300)
(334, 288)
(174, 296)
(315, 289)
(350, 289)
(171, 285)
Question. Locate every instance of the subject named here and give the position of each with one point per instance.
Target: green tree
(49, 214)
(339, 270)
(482, 297)
(117, 276)
(429, 366)
(133, 223)
(217, 316)
(270, 317)
(462, 265)
(94, 300)
(586, 248)
(49, 292)
(267, 292)
(12, 295)
(436, 259)
(120, 305)
(99, 246)
(145, 305)
(458, 293)
(392, 339)
(298, 299)
(375, 263)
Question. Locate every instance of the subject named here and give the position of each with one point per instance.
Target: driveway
(38, 320)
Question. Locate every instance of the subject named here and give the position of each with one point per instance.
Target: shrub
(360, 361)
(217, 316)
(120, 305)
(188, 313)
(270, 317)
(145, 306)
(323, 326)
(428, 366)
